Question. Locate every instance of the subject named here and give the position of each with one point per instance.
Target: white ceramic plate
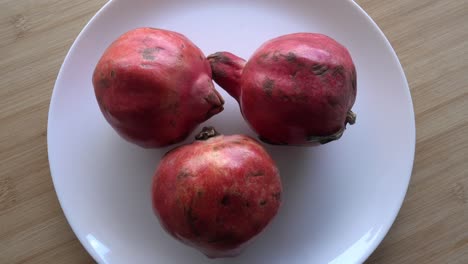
(340, 199)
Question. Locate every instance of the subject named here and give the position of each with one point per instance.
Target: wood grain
(429, 36)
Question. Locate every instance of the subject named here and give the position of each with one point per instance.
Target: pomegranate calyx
(351, 117)
(206, 133)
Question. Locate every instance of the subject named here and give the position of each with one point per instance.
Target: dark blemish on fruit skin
(200, 193)
(277, 196)
(181, 57)
(319, 69)
(264, 55)
(333, 101)
(282, 95)
(219, 147)
(112, 73)
(237, 142)
(247, 204)
(291, 57)
(256, 173)
(263, 202)
(191, 219)
(104, 83)
(184, 173)
(201, 57)
(268, 85)
(225, 200)
(275, 56)
(146, 41)
(219, 57)
(294, 75)
(182, 46)
(338, 70)
(147, 56)
(300, 64)
(148, 53)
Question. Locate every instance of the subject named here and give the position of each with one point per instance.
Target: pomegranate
(154, 87)
(217, 193)
(297, 89)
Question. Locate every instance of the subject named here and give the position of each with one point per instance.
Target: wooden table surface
(429, 36)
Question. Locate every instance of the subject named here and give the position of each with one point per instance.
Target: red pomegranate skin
(216, 194)
(154, 87)
(297, 89)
